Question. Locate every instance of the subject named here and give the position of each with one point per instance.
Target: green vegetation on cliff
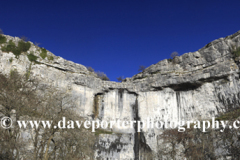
(16, 49)
(3, 39)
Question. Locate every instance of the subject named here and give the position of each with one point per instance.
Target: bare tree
(90, 69)
(196, 144)
(37, 44)
(1, 32)
(102, 76)
(23, 99)
(99, 74)
(120, 79)
(174, 54)
(61, 144)
(169, 137)
(24, 38)
(141, 68)
(17, 98)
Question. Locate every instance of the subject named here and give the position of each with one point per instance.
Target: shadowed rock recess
(197, 85)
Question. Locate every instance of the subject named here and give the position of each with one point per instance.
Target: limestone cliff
(196, 85)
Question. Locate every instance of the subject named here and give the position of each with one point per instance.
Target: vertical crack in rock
(140, 143)
(136, 134)
(102, 109)
(178, 104)
(144, 147)
(120, 100)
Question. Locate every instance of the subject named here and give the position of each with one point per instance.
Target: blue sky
(117, 36)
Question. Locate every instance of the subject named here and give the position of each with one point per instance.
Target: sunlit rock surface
(197, 85)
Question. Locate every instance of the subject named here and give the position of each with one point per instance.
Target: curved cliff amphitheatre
(194, 86)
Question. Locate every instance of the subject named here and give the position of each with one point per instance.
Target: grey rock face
(214, 61)
(194, 86)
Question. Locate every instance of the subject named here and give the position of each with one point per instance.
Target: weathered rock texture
(196, 85)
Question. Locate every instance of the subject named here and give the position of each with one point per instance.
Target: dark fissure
(120, 100)
(139, 138)
(136, 134)
(178, 104)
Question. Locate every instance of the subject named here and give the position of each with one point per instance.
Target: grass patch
(28, 71)
(13, 72)
(101, 131)
(9, 47)
(24, 46)
(10, 60)
(232, 115)
(236, 52)
(3, 39)
(16, 50)
(36, 62)
(140, 77)
(50, 58)
(169, 60)
(156, 72)
(43, 53)
(32, 57)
